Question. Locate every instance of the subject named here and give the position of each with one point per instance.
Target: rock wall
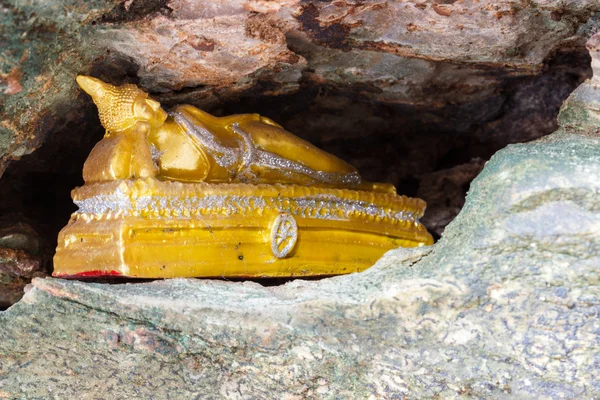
(471, 70)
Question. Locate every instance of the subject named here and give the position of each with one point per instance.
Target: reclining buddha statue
(190, 145)
(185, 193)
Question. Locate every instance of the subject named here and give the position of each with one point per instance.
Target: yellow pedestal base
(156, 229)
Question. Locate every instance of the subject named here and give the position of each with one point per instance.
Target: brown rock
(20, 261)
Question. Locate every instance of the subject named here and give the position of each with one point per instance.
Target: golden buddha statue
(190, 145)
(185, 193)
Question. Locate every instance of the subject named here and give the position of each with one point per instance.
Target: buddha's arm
(120, 156)
(268, 136)
(109, 160)
(180, 158)
(141, 164)
(276, 140)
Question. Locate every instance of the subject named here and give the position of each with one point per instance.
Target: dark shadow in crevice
(36, 190)
(265, 282)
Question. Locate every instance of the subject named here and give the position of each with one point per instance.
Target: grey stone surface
(581, 111)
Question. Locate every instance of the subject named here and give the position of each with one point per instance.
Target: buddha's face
(148, 110)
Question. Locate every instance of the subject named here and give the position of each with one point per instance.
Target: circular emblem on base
(284, 235)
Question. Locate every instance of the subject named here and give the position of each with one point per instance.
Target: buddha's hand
(142, 165)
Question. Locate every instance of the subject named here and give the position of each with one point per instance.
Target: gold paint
(187, 194)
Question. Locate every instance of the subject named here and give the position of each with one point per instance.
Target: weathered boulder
(506, 304)
(581, 111)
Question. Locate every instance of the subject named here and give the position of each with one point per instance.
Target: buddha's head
(120, 107)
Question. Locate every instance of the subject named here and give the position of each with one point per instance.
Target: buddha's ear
(155, 105)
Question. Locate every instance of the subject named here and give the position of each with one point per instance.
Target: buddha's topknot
(115, 103)
(115, 107)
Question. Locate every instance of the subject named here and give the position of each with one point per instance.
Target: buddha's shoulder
(190, 110)
(206, 118)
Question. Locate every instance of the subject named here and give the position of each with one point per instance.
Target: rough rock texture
(460, 66)
(505, 305)
(581, 111)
